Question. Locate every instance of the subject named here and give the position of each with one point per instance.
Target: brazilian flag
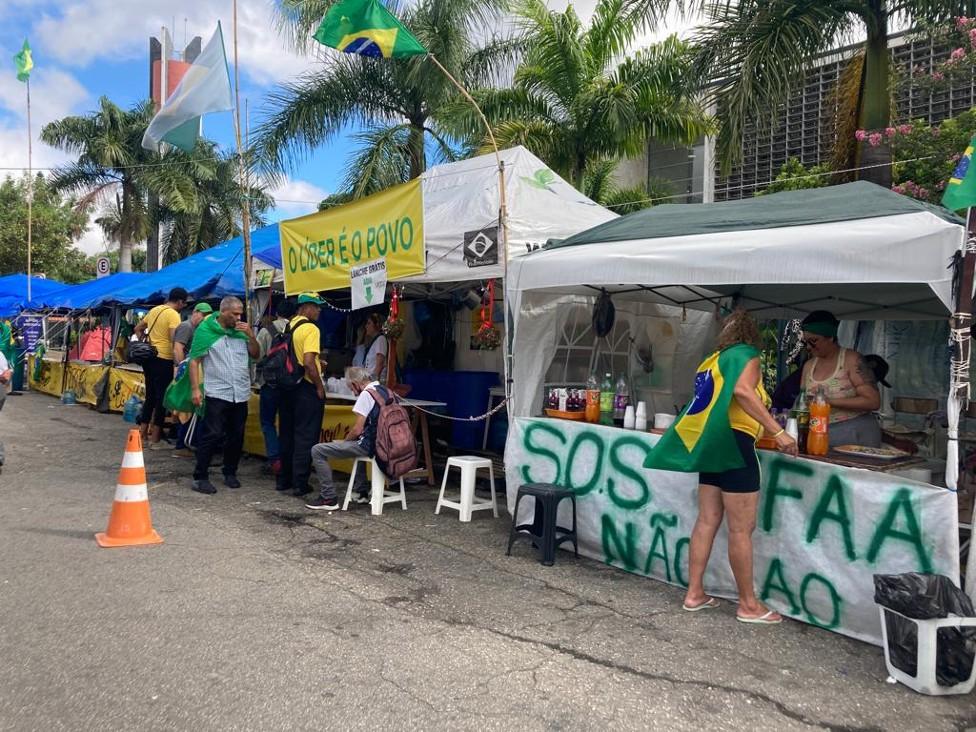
(701, 439)
(367, 28)
(960, 192)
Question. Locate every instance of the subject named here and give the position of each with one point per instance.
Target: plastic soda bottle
(801, 411)
(621, 399)
(606, 394)
(592, 399)
(817, 443)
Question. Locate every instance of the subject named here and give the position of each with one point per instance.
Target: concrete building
(805, 129)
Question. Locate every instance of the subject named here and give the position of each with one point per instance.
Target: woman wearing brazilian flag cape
(715, 436)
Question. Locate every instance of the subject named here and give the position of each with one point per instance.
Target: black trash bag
(927, 597)
(604, 314)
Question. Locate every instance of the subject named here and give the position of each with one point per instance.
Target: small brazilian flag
(24, 62)
(367, 28)
(960, 193)
(701, 439)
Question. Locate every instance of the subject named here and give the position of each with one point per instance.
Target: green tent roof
(850, 201)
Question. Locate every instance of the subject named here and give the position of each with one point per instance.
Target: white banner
(368, 282)
(822, 531)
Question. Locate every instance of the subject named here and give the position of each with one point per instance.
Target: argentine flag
(205, 88)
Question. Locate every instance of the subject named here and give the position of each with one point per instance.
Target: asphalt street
(258, 614)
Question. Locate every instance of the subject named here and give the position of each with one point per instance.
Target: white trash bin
(925, 681)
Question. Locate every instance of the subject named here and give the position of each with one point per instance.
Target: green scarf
(209, 332)
(701, 439)
(179, 394)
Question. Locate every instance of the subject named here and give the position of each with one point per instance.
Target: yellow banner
(318, 250)
(82, 379)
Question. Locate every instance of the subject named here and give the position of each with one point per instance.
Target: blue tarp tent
(266, 246)
(210, 274)
(13, 292)
(86, 295)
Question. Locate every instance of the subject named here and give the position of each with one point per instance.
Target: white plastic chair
(469, 466)
(379, 495)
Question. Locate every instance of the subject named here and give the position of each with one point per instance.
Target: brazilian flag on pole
(701, 439)
(24, 62)
(367, 28)
(960, 193)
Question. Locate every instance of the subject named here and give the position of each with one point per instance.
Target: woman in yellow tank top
(735, 493)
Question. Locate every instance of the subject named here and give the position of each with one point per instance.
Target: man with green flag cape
(220, 384)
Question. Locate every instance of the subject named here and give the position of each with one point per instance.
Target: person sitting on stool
(361, 442)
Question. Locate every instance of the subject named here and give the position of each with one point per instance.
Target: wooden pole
(243, 182)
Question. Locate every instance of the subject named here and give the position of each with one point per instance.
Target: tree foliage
(55, 225)
(793, 176)
(200, 200)
(578, 97)
(759, 50)
(399, 104)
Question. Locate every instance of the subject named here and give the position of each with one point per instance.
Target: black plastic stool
(543, 531)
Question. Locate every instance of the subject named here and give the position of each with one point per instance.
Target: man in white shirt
(5, 375)
(361, 441)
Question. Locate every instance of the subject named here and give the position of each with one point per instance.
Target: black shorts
(741, 480)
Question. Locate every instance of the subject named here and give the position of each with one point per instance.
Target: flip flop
(764, 619)
(709, 603)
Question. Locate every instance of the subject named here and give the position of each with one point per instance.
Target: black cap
(880, 368)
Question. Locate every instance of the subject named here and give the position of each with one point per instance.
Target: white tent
(462, 198)
(857, 249)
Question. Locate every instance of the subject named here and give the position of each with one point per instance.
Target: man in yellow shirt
(300, 409)
(158, 328)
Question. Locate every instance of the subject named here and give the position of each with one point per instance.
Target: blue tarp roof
(13, 292)
(266, 245)
(209, 274)
(81, 297)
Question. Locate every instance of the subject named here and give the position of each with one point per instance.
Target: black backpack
(280, 368)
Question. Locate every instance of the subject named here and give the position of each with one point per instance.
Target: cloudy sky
(85, 49)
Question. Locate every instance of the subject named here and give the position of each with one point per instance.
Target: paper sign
(368, 282)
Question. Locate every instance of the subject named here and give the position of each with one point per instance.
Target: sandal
(709, 603)
(765, 619)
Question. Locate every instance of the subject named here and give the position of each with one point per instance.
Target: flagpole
(30, 191)
(245, 201)
(502, 210)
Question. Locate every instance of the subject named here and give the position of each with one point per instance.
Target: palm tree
(576, 101)
(217, 215)
(111, 158)
(200, 200)
(398, 104)
(760, 48)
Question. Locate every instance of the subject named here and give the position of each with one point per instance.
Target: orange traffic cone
(129, 523)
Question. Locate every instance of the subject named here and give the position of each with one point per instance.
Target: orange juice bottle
(817, 443)
(592, 411)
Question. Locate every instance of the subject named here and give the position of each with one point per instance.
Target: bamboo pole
(502, 215)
